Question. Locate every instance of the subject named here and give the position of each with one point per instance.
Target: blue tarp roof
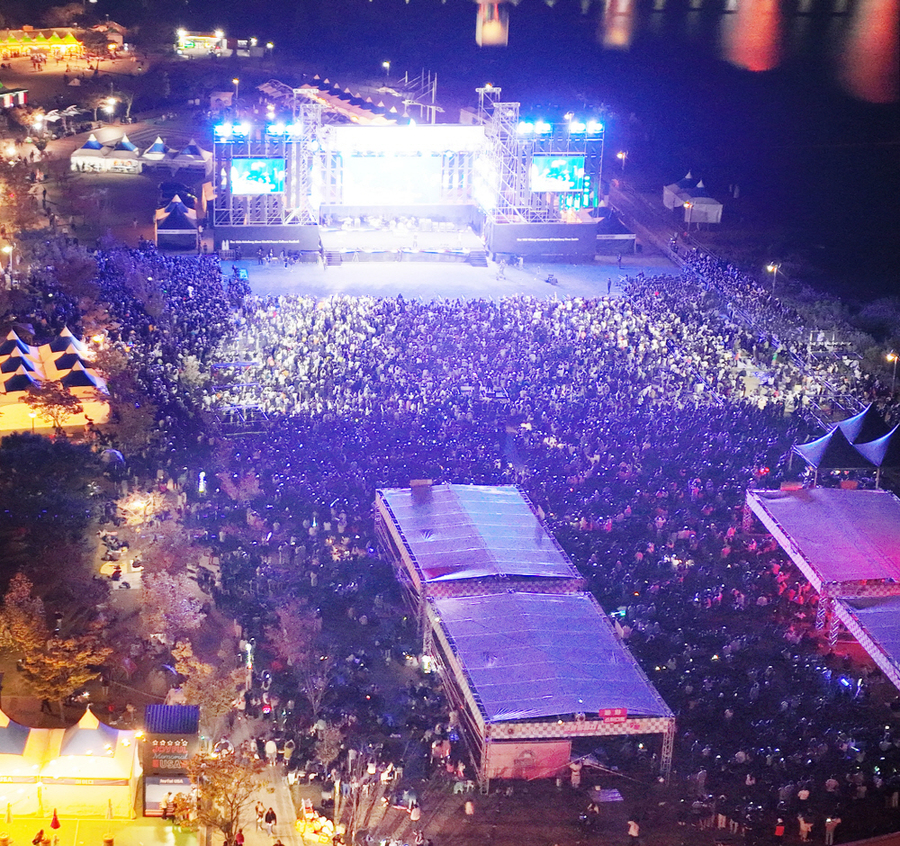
(863, 427)
(884, 451)
(533, 655)
(13, 739)
(92, 144)
(172, 719)
(474, 532)
(832, 451)
(99, 742)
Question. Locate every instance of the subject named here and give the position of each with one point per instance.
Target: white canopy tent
(673, 194)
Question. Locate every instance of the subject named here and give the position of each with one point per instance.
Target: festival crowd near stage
(634, 423)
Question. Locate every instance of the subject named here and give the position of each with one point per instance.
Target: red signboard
(614, 715)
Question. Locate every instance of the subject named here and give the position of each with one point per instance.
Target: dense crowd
(634, 423)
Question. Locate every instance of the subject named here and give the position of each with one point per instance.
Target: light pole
(773, 269)
(892, 357)
(387, 69)
(690, 207)
(621, 156)
(32, 415)
(237, 87)
(8, 249)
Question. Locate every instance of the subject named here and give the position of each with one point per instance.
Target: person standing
(634, 833)
(831, 823)
(271, 820)
(260, 810)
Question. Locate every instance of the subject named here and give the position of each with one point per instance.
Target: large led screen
(557, 173)
(257, 176)
(391, 180)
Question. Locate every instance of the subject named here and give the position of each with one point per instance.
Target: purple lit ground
(432, 280)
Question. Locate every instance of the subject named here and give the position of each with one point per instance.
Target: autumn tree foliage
(214, 687)
(169, 609)
(227, 787)
(54, 403)
(53, 665)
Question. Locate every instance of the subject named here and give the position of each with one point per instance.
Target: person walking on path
(260, 810)
(271, 820)
(634, 833)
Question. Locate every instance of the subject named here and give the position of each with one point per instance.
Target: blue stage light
(224, 130)
(543, 128)
(576, 127)
(525, 127)
(594, 127)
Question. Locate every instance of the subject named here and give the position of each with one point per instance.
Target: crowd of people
(634, 423)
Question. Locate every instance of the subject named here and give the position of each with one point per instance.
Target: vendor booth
(22, 753)
(92, 770)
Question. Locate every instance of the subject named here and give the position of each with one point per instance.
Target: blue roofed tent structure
(883, 451)
(864, 427)
(92, 770)
(176, 226)
(531, 663)
(531, 673)
(22, 754)
(832, 452)
(89, 156)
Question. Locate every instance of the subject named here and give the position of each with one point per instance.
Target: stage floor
(435, 280)
(379, 240)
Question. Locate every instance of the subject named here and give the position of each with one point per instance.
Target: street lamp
(621, 156)
(32, 415)
(237, 87)
(387, 69)
(773, 269)
(689, 206)
(8, 249)
(892, 357)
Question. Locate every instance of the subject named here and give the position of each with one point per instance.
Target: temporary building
(454, 539)
(832, 452)
(156, 152)
(123, 157)
(192, 156)
(89, 156)
(22, 754)
(865, 426)
(92, 770)
(532, 672)
(176, 225)
(700, 207)
(673, 195)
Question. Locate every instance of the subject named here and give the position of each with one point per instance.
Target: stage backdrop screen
(391, 180)
(557, 174)
(257, 176)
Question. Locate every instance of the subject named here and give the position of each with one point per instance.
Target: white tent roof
(474, 531)
(91, 149)
(533, 655)
(156, 151)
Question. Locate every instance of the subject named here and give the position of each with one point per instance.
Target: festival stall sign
(171, 738)
(614, 715)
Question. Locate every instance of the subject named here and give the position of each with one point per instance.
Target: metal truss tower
(511, 161)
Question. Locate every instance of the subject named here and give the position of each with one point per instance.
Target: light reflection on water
(861, 37)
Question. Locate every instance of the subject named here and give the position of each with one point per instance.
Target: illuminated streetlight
(892, 357)
(219, 34)
(773, 269)
(621, 156)
(32, 415)
(237, 87)
(690, 207)
(387, 69)
(8, 249)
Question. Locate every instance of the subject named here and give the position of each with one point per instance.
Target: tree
(168, 609)
(62, 15)
(53, 402)
(328, 745)
(297, 641)
(22, 619)
(54, 666)
(19, 207)
(212, 686)
(227, 786)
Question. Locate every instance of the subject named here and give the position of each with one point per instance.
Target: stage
(399, 238)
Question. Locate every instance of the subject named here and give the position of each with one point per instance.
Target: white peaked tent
(22, 753)
(156, 152)
(176, 225)
(89, 156)
(703, 208)
(192, 156)
(92, 770)
(673, 194)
